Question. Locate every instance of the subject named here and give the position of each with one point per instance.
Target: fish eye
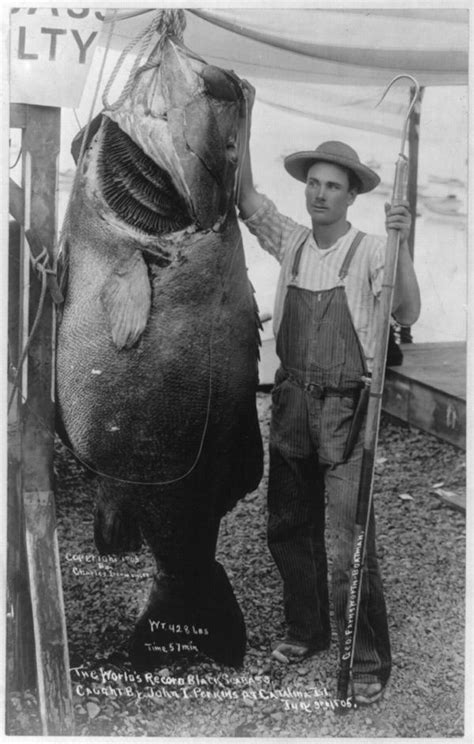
(221, 84)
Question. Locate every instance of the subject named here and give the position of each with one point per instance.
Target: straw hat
(338, 153)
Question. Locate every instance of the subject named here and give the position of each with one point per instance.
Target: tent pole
(412, 189)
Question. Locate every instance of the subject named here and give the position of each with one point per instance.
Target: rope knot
(166, 23)
(171, 23)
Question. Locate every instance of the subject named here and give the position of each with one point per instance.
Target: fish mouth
(182, 114)
(135, 188)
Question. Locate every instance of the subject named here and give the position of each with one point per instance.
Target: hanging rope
(17, 159)
(205, 428)
(41, 265)
(165, 22)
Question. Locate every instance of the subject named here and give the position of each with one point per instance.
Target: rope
(44, 271)
(204, 431)
(166, 22)
(114, 477)
(169, 23)
(79, 126)
(17, 159)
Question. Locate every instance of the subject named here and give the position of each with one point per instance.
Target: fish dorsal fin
(127, 301)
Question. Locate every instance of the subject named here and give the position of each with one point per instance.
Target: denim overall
(313, 401)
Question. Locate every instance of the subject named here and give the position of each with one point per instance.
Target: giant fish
(157, 347)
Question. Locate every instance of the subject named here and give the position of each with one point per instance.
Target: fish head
(185, 116)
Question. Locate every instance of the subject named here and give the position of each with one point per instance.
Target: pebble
(423, 586)
(93, 710)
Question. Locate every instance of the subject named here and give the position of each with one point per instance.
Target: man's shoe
(366, 693)
(288, 652)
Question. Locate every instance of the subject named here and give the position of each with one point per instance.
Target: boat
(447, 181)
(449, 205)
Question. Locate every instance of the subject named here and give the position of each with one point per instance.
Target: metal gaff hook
(410, 108)
(401, 169)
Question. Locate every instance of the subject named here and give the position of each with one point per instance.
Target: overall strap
(350, 254)
(345, 264)
(296, 262)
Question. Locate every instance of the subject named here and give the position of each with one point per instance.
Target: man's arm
(406, 297)
(275, 232)
(248, 199)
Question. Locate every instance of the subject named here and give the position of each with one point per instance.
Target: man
(324, 322)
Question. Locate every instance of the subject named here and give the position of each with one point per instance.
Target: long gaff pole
(365, 496)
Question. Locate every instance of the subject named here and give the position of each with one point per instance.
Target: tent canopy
(328, 65)
(345, 46)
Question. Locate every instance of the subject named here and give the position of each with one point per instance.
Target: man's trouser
(307, 439)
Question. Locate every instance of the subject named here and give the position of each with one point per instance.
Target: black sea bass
(158, 343)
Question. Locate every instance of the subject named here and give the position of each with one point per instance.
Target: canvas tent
(325, 46)
(329, 64)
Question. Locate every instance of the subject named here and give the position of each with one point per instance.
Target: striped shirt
(319, 269)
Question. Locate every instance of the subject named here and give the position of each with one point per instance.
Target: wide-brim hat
(338, 153)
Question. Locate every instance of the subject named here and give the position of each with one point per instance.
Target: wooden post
(20, 656)
(412, 188)
(40, 153)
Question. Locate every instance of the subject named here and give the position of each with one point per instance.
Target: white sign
(51, 50)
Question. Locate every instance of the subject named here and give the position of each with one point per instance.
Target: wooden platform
(427, 391)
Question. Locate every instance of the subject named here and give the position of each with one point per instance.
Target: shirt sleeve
(273, 230)
(377, 264)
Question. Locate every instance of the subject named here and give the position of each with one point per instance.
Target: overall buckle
(314, 389)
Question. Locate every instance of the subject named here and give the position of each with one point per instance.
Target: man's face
(327, 193)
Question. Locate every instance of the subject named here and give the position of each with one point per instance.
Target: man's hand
(398, 218)
(247, 198)
(246, 116)
(249, 95)
(406, 298)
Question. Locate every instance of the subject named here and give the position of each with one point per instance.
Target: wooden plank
(396, 398)
(15, 238)
(40, 144)
(20, 657)
(440, 365)
(454, 499)
(430, 410)
(427, 391)
(18, 115)
(48, 613)
(16, 202)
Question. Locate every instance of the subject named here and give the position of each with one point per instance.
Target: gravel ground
(421, 547)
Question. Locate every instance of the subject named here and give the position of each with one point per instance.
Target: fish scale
(159, 301)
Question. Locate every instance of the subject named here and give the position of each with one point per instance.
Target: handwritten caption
(221, 687)
(105, 566)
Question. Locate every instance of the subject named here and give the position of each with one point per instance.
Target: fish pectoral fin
(127, 301)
